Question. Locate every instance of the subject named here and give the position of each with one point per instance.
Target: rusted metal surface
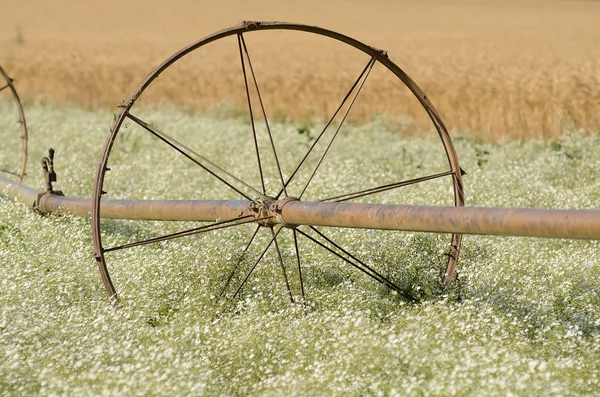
(47, 164)
(19, 191)
(573, 224)
(22, 123)
(155, 210)
(290, 212)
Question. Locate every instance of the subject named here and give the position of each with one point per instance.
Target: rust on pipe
(159, 210)
(153, 210)
(16, 190)
(573, 224)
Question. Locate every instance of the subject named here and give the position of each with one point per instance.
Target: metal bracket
(277, 206)
(49, 174)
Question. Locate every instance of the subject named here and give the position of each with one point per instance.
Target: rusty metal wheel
(264, 193)
(13, 163)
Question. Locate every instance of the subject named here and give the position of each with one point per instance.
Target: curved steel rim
(377, 54)
(23, 165)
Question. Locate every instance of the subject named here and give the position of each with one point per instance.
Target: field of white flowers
(523, 317)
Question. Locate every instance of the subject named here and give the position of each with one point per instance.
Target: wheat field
(499, 70)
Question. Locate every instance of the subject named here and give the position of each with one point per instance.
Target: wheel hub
(267, 211)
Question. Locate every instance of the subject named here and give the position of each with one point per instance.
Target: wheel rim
(17, 171)
(376, 57)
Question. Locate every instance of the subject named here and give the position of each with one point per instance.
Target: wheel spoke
(243, 43)
(256, 263)
(237, 264)
(367, 67)
(181, 148)
(357, 263)
(339, 255)
(9, 172)
(298, 259)
(374, 276)
(383, 188)
(338, 128)
(6, 86)
(452, 260)
(287, 283)
(262, 179)
(202, 229)
(386, 281)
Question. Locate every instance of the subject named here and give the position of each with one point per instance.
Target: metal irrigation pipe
(572, 224)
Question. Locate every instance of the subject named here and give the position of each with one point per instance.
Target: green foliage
(523, 317)
(305, 127)
(482, 156)
(556, 145)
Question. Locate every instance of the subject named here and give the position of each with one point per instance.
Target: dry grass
(495, 69)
